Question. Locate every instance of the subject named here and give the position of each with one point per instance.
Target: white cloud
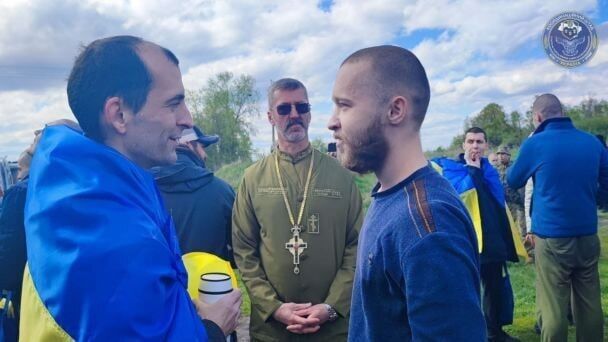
(23, 112)
(497, 29)
(471, 59)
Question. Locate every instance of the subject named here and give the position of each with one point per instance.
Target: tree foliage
(319, 144)
(225, 106)
(590, 115)
(501, 129)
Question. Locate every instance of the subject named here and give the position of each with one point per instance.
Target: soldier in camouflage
(514, 197)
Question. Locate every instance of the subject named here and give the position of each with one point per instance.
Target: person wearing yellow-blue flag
(479, 187)
(104, 262)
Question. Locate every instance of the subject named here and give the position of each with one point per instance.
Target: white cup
(214, 286)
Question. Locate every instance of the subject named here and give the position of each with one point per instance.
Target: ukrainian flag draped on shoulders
(458, 175)
(103, 259)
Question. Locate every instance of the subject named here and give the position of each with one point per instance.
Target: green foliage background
(225, 106)
(511, 129)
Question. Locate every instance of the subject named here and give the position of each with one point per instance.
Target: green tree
(590, 115)
(492, 119)
(457, 141)
(319, 144)
(225, 106)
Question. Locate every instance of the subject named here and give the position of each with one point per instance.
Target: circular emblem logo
(570, 39)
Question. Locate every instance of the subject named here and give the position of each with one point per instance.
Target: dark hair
(105, 68)
(394, 70)
(548, 105)
(476, 130)
(284, 84)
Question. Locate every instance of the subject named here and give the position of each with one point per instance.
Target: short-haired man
(199, 202)
(103, 259)
(296, 221)
(417, 274)
(567, 165)
(478, 184)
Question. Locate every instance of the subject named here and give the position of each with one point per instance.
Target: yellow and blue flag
(458, 175)
(103, 258)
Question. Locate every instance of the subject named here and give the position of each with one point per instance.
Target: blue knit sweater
(567, 165)
(417, 275)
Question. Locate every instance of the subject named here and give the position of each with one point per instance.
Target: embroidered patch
(331, 193)
(270, 191)
(313, 224)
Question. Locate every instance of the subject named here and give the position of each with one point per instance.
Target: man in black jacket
(200, 203)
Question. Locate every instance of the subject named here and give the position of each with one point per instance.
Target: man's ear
(538, 117)
(399, 110)
(270, 119)
(114, 115)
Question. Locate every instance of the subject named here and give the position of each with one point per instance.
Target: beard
(294, 137)
(365, 151)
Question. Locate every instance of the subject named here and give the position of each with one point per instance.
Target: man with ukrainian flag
(478, 184)
(103, 259)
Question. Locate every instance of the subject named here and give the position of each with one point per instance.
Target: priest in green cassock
(296, 221)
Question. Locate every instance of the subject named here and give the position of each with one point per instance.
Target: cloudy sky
(475, 52)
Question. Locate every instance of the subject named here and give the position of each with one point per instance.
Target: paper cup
(214, 286)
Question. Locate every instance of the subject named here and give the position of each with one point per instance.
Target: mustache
(293, 123)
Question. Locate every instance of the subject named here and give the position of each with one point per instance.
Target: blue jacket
(567, 165)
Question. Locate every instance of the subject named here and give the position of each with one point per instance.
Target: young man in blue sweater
(567, 165)
(417, 275)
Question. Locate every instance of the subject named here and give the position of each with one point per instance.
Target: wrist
(331, 312)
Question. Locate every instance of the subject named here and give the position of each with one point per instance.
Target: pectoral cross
(296, 247)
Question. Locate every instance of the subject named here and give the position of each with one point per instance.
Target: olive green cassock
(331, 221)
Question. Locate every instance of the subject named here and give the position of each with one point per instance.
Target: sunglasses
(285, 108)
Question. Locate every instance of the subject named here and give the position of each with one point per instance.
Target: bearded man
(296, 220)
(417, 274)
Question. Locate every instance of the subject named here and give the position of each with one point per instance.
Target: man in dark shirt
(199, 202)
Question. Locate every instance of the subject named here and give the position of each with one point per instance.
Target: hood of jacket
(188, 174)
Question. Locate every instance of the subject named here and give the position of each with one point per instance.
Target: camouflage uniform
(515, 201)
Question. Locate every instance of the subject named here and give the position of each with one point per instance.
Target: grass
(366, 183)
(233, 173)
(522, 280)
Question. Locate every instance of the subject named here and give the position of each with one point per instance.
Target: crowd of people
(94, 235)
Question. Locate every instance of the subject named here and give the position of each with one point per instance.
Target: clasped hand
(302, 318)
